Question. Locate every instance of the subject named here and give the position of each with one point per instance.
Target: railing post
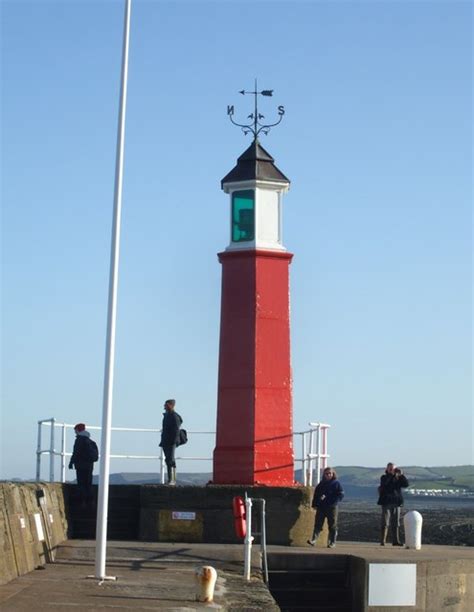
(311, 458)
(162, 468)
(325, 448)
(305, 459)
(63, 453)
(38, 453)
(264, 544)
(51, 452)
(248, 538)
(318, 453)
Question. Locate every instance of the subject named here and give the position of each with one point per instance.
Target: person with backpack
(85, 453)
(170, 438)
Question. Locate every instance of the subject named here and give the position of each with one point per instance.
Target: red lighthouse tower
(254, 443)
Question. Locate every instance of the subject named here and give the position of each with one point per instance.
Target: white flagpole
(102, 510)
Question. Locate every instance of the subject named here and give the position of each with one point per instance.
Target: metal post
(38, 452)
(63, 453)
(51, 452)
(318, 453)
(248, 538)
(162, 467)
(311, 458)
(102, 512)
(325, 448)
(264, 544)
(305, 460)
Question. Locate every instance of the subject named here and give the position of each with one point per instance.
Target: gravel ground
(449, 525)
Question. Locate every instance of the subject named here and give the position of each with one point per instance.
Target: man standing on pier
(84, 454)
(391, 500)
(170, 438)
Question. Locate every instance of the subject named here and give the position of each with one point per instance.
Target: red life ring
(240, 523)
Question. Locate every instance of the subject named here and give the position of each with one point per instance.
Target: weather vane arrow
(257, 126)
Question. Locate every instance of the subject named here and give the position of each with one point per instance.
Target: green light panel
(243, 216)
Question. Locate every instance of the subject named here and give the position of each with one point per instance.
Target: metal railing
(314, 449)
(248, 541)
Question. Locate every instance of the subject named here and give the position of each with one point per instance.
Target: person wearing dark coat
(170, 438)
(84, 464)
(391, 500)
(327, 495)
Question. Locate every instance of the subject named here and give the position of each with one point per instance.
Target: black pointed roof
(255, 164)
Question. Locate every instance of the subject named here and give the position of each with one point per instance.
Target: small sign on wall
(39, 527)
(392, 584)
(22, 523)
(183, 516)
(176, 526)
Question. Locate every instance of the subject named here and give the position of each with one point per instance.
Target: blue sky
(377, 141)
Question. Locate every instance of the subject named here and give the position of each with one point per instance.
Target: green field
(449, 477)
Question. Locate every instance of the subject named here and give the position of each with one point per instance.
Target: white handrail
(312, 460)
(51, 456)
(248, 538)
(63, 453)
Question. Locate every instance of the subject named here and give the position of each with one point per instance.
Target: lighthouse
(254, 434)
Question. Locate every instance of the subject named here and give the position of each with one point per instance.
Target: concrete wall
(440, 585)
(442, 581)
(26, 510)
(289, 517)
(149, 511)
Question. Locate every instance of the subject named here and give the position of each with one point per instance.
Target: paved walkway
(150, 576)
(156, 576)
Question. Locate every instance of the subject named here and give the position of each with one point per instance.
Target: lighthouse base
(289, 516)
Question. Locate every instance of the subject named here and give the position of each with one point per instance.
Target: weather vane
(256, 126)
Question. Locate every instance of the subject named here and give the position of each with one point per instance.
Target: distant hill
(445, 477)
(139, 478)
(360, 481)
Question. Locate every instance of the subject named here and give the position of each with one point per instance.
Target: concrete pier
(40, 569)
(149, 576)
(341, 579)
(160, 576)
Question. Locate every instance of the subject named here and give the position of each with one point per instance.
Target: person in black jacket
(83, 457)
(391, 500)
(327, 495)
(170, 438)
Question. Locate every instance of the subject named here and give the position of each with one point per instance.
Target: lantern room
(255, 186)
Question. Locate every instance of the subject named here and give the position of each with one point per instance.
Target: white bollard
(413, 522)
(205, 578)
